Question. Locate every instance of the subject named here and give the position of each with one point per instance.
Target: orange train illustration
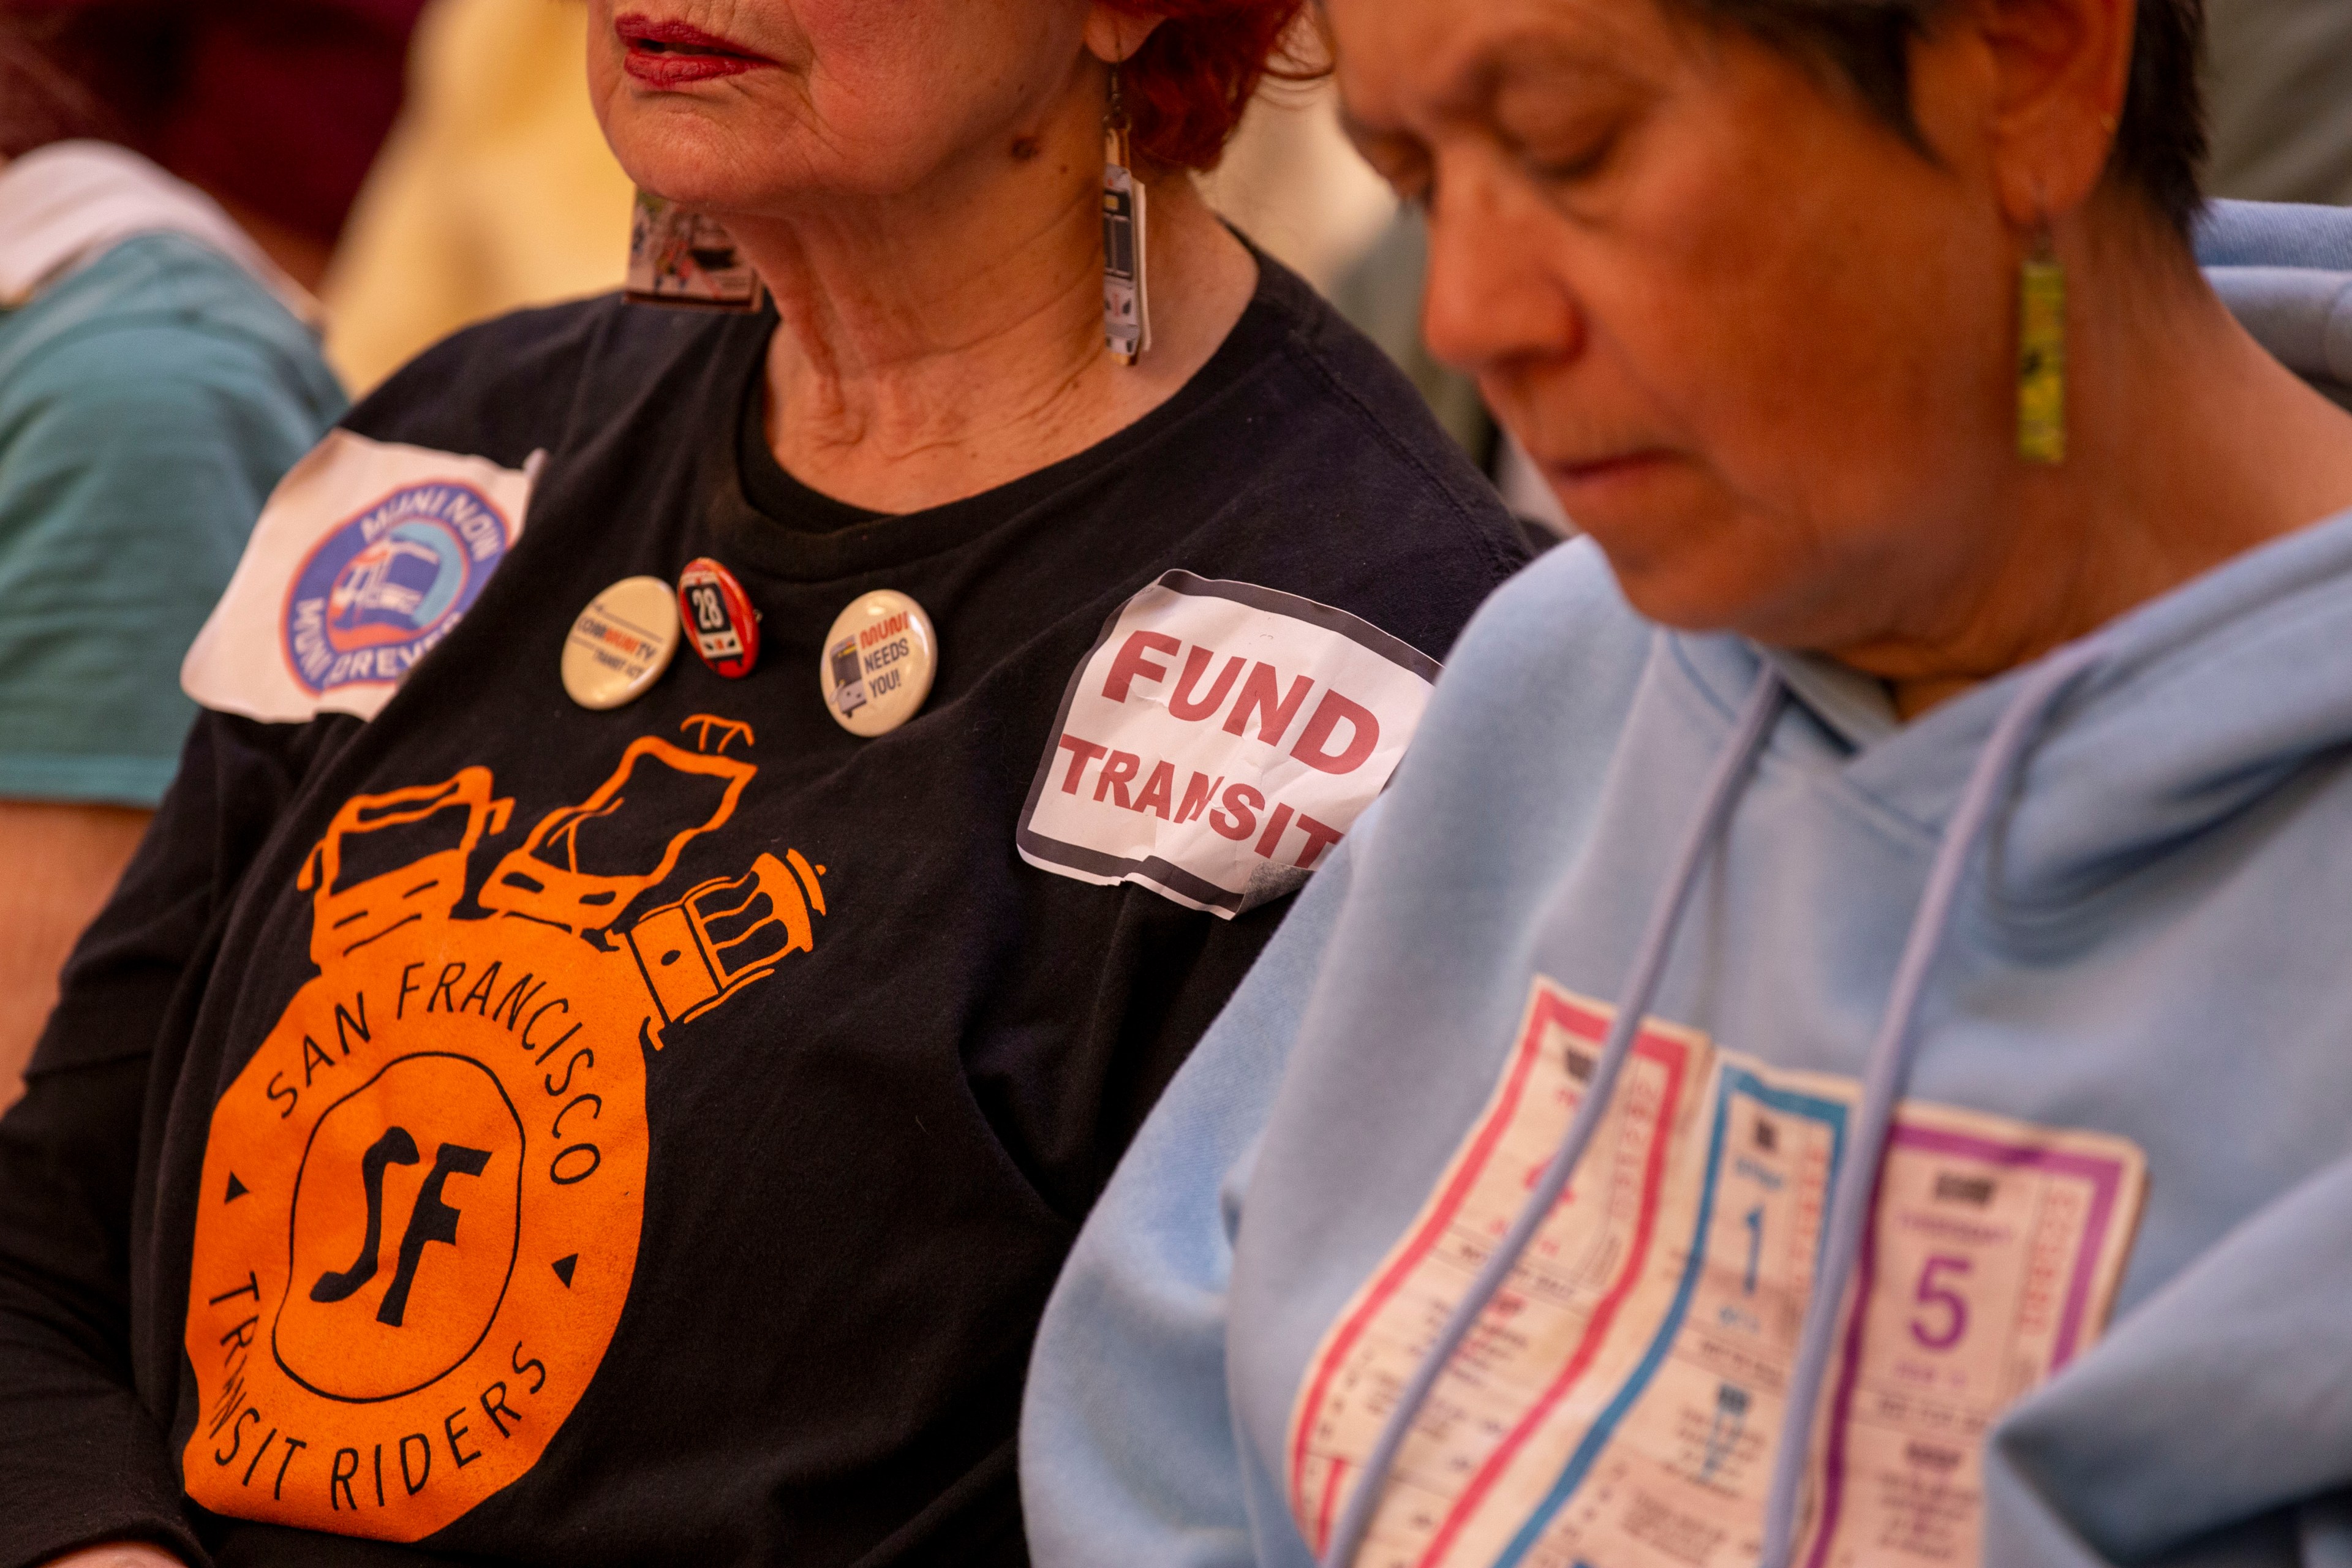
(725, 934)
(558, 874)
(423, 1194)
(455, 815)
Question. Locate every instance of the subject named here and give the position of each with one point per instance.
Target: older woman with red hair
(710, 828)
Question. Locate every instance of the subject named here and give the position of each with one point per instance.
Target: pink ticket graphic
(2055, 1267)
(1620, 1401)
(1471, 1206)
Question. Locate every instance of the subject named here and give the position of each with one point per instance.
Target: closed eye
(1401, 160)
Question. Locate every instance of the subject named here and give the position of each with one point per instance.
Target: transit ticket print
(1618, 1404)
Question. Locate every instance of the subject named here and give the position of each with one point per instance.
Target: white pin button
(621, 643)
(878, 662)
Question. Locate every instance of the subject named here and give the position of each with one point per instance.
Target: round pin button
(621, 643)
(720, 617)
(878, 662)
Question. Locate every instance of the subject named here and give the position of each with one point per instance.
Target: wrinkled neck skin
(941, 341)
(2188, 444)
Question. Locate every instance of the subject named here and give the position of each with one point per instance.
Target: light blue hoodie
(2141, 940)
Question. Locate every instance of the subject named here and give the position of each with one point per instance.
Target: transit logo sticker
(422, 1195)
(367, 556)
(1218, 740)
(378, 592)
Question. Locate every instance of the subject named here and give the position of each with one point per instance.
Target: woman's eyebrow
(1557, 66)
(1520, 58)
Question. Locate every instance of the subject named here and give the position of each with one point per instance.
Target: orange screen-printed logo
(423, 1194)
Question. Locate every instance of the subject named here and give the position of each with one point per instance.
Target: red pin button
(719, 618)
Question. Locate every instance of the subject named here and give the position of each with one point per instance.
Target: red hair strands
(1185, 88)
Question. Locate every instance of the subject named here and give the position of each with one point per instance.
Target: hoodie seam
(2129, 680)
(1900, 827)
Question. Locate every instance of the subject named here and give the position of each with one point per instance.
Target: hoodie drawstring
(1722, 790)
(1886, 1071)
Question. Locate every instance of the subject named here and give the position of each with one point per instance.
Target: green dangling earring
(2041, 355)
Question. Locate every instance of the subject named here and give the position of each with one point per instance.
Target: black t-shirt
(644, 1135)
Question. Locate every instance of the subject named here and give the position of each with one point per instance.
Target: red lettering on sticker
(1197, 797)
(1244, 804)
(1257, 696)
(1156, 795)
(1181, 704)
(1081, 753)
(1320, 837)
(1117, 774)
(1131, 662)
(1272, 839)
(1314, 746)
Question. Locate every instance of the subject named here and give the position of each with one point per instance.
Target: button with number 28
(719, 618)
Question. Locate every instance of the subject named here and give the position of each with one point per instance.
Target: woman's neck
(2188, 444)
(941, 342)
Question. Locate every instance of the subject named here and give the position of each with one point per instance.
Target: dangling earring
(2041, 355)
(1127, 310)
(681, 257)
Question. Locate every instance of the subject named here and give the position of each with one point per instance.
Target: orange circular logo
(473, 1131)
(423, 1194)
(418, 1225)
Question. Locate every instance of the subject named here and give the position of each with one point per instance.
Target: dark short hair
(2160, 142)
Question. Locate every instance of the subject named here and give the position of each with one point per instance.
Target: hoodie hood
(2200, 704)
(2286, 272)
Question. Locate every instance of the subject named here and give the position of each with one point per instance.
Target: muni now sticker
(1218, 740)
(367, 554)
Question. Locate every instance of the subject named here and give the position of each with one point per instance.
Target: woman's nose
(1492, 294)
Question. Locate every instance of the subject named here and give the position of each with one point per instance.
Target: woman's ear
(1114, 34)
(2059, 71)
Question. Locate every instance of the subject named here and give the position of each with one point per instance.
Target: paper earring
(1127, 310)
(2041, 355)
(681, 257)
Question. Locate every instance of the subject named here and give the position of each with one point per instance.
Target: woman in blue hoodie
(1837, 1048)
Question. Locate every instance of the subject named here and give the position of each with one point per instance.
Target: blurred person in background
(157, 376)
(559, 1084)
(273, 108)
(496, 189)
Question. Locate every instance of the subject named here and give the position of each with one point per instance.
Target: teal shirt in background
(148, 403)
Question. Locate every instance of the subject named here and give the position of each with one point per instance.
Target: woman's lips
(672, 54)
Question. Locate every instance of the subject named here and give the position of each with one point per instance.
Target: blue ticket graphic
(1619, 1402)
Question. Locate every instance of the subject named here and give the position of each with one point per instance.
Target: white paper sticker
(367, 554)
(1218, 740)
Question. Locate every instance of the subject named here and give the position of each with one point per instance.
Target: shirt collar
(1858, 708)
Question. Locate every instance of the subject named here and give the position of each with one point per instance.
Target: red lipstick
(672, 54)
